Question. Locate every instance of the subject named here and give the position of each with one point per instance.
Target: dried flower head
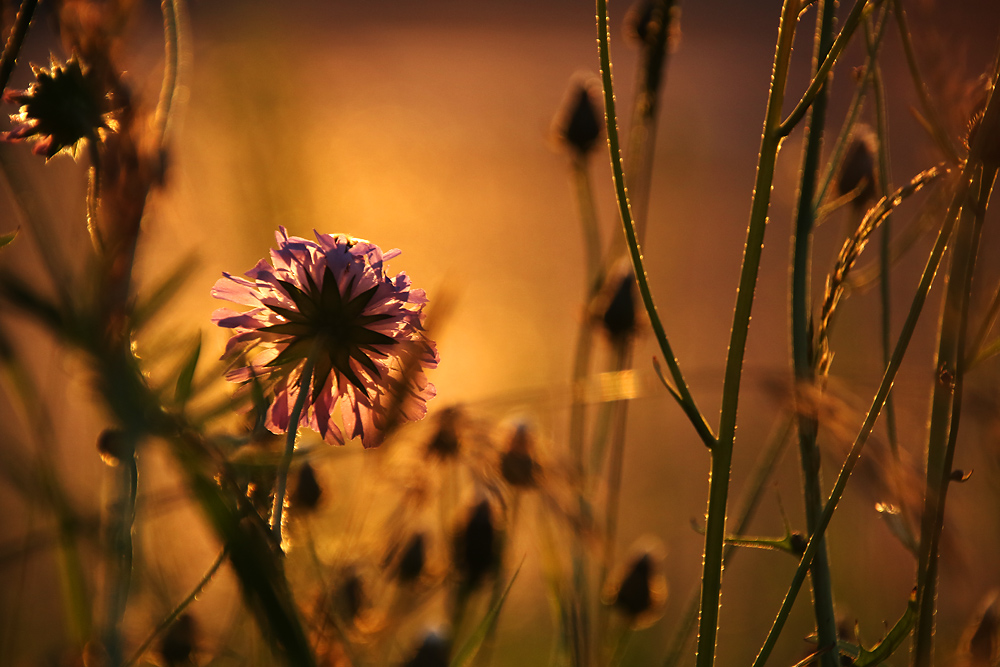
(619, 316)
(578, 123)
(60, 109)
(411, 562)
(517, 465)
(477, 551)
(641, 590)
(433, 651)
(307, 491)
(857, 173)
(179, 641)
(331, 302)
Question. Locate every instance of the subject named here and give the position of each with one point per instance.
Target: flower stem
(722, 453)
(179, 609)
(286, 459)
(902, 343)
(946, 410)
(802, 343)
(168, 91)
(16, 39)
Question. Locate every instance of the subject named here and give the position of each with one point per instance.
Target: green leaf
(5, 239)
(184, 379)
(468, 652)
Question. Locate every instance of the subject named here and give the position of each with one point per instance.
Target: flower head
(58, 110)
(332, 303)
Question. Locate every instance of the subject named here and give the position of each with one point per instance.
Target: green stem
(906, 333)
(748, 503)
(168, 91)
(178, 610)
(802, 347)
(824, 68)
(689, 405)
(286, 458)
(722, 453)
(946, 411)
(16, 39)
(119, 567)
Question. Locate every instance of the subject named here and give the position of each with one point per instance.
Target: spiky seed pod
(517, 465)
(433, 652)
(857, 172)
(308, 492)
(578, 123)
(476, 549)
(178, 643)
(619, 317)
(411, 563)
(641, 593)
(444, 444)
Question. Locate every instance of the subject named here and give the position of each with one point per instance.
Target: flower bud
(433, 652)
(179, 641)
(476, 546)
(411, 563)
(517, 465)
(112, 447)
(307, 492)
(444, 444)
(641, 593)
(857, 172)
(619, 316)
(579, 123)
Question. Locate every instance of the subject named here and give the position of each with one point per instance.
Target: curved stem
(286, 458)
(168, 91)
(819, 78)
(16, 39)
(178, 610)
(690, 406)
(906, 333)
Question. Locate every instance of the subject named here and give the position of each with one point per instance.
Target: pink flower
(331, 302)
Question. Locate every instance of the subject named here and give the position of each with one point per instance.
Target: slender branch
(820, 77)
(178, 610)
(906, 333)
(15, 41)
(286, 459)
(690, 406)
(168, 91)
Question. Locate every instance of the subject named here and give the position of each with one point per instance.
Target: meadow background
(428, 127)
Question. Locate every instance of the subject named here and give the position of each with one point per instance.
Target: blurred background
(428, 126)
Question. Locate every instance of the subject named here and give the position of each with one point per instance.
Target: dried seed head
(179, 641)
(433, 652)
(857, 172)
(641, 594)
(349, 598)
(619, 316)
(517, 464)
(980, 644)
(411, 563)
(307, 491)
(444, 444)
(579, 123)
(476, 552)
(112, 446)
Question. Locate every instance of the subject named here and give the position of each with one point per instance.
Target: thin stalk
(802, 343)
(857, 102)
(824, 68)
(286, 458)
(689, 405)
(902, 343)
(168, 91)
(722, 453)
(930, 112)
(179, 609)
(748, 503)
(15, 41)
(119, 566)
(946, 411)
(885, 254)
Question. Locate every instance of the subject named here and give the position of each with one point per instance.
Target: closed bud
(579, 124)
(411, 563)
(307, 490)
(433, 652)
(641, 592)
(179, 641)
(476, 552)
(619, 318)
(445, 443)
(517, 465)
(857, 172)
